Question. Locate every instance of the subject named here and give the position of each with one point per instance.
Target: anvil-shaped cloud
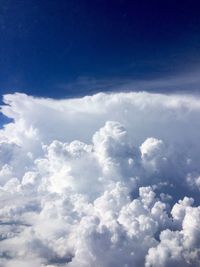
(108, 180)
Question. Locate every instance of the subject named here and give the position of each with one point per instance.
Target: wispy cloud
(180, 83)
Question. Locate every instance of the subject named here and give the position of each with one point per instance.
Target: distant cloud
(179, 83)
(104, 180)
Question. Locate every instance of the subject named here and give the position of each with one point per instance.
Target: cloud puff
(104, 180)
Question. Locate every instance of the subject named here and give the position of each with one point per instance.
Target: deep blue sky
(75, 47)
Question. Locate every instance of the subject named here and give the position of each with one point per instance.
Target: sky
(99, 133)
(71, 48)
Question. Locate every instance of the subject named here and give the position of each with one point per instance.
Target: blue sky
(69, 48)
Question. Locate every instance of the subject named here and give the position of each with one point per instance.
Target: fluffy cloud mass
(110, 180)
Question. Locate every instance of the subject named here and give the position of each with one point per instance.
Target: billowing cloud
(104, 180)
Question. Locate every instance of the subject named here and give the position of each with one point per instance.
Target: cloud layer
(105, 180)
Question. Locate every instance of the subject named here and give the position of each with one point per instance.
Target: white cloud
(106, 180)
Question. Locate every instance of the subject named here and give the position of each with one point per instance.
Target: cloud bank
(104, 180)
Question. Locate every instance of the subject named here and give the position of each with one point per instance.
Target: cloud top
(105, 180)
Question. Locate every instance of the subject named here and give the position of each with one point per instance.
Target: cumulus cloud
(104, 180)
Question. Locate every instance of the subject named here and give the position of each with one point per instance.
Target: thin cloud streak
(183, 83)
